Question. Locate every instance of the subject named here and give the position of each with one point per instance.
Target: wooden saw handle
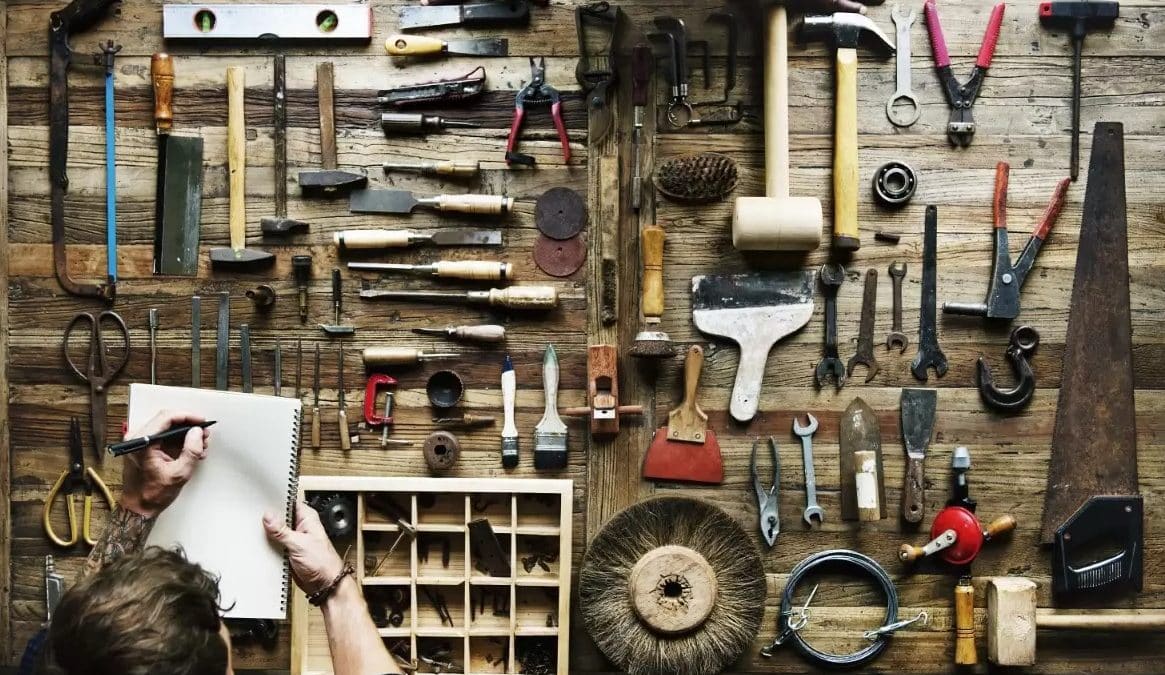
(237, 156)
(651, 242)
(365, 239)
(162, 78)
(845, 153)
(413, 45)
(480, 204)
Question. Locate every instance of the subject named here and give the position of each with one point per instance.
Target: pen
(135, 444)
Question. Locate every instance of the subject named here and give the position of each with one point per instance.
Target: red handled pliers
(536, 94)
(961, 127)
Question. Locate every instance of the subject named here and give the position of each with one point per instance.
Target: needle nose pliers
(961, 96)
(536, 93)
(767, 497)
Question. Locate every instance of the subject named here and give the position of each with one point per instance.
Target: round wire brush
(706, 177)
(672, 585)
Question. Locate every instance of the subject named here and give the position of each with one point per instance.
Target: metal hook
(891, 627)
(1024, 340)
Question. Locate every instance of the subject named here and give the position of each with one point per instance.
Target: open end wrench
(929, 354)
(832, 275)
(865, 350)
(812, 510)
(897, 338)
(899, 117)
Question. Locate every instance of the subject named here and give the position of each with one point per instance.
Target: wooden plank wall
(1023, 118)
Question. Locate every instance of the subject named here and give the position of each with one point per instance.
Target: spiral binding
(292, 493)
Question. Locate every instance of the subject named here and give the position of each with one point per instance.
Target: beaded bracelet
(319, 597)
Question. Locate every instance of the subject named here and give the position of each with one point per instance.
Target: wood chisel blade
(223, 342)
(382, 201)
(466, 237)
(477, 14)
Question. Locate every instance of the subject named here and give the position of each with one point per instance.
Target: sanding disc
(560, 258)
(560, 213)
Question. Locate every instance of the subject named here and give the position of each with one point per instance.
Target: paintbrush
(550, 433)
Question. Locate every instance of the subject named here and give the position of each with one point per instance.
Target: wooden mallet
(1012, 620)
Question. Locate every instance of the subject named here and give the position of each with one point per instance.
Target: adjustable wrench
(903, 92)
(865, 350)
(832, 275)
(929, 354)
(812, 510)
(897, 338)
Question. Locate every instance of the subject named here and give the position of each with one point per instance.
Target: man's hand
(314, 561)
(153, 477)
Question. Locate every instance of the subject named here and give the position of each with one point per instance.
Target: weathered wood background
(1023, 118)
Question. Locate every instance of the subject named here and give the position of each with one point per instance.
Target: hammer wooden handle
(237, 156)
(479, 204)
(365, 239)
(777, 104)
(651, 250)
(1116, 620)
(845, 153)
(413, 45)
(162, 77)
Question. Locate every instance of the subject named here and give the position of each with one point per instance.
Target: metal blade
(917, 411)
(429, 17)
(180, 206)
(1094, 441)
(483, 47)
(467, 237)
(382, 201)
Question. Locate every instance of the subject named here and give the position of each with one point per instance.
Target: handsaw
(1091, 496)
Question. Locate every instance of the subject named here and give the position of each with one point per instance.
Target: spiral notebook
(252, 466)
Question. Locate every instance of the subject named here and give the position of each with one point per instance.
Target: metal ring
(850, 561)
(894, 183)
(891, 109)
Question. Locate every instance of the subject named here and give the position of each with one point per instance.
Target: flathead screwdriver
(415, 123)
(441, 168)
(483, 333)
(476, 270)
(514, 297)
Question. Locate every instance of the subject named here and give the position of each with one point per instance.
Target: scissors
(76, 478)
(99, 372)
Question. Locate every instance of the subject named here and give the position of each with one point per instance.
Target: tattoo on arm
(125, 533)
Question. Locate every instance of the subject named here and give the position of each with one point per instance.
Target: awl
(512, 13)
(514, 297)
(403, 202)
(476, 270)
(482, 333)
(366, 239)
(419, 123)
(415, 45)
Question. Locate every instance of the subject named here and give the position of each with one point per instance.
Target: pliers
(961, 127)
(766, 498)
(536, 93)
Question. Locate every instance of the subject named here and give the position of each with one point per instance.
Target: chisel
(483, 333)
(342, 414)
(196, 341)
(418, 123)
(512, 13)
(315, 408)
(414, 45)
(514, 297)
(403, 202)
(477, 270)
(178, 189)
(245, 356)
(442, 168)
(277, 385)
(401, 356)
(222, 355)
(364, 239)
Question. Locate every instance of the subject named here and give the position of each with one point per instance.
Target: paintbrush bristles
(607, 609)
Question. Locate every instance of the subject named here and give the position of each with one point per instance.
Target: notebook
(252, 466)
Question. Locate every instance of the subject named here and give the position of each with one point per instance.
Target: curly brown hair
(152, 612)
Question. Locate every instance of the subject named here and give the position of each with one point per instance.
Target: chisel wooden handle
(315, 428)
(845, 153)
(651, 251)
(413, 45)
(483, 333)
(237, 157)
(481, 204)
(454, 168)
(365, 239)
(162, 77)
(479, 270)
(390, 356)
(520, 297)
(913, 495)
(345, 434)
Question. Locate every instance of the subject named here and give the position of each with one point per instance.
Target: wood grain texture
(1023, 117)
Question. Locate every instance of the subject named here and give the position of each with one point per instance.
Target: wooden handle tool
(651, 242)
(413, 45)
(866, 485)
(688, 422)
(845, 153)
(237, 156)
(162, 78)
(965, 652)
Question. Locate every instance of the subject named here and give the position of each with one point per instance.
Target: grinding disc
(560, 213)
(560, 258)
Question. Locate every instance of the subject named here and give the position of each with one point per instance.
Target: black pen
(135, 444)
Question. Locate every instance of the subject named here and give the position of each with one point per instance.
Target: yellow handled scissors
(77, 478)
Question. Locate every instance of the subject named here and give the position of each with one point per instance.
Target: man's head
(150, 612)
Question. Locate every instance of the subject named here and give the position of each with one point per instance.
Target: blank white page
(251, 467)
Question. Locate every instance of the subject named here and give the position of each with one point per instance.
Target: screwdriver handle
(391, 356)
(484, 333)
(452, 168)
(413, 45)
(651, 251)
(366, 239)
(345, 434)
(162, 77)
(315, 428)
(479, 204)
(478, 270)
(518, 297)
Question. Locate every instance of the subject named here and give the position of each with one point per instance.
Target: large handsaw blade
(1094, 449)
(180, 207)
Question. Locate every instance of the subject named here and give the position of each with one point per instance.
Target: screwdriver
(482, 333)
(477, 270)
(415, 123)
(514, 297)
(444, 168)
(466, 421)
(401, 356)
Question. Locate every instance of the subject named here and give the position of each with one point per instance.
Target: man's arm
(151, 480)
(352, 637)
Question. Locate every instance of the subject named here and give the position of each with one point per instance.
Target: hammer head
(1080, 14)
(240, 257)
(845, 28)
(1011, 621)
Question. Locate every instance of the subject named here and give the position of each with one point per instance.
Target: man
(137, 610)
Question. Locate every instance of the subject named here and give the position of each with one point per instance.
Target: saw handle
(413, 45)
(651, 242)
(366, 239)
(845, 153)
(237, 156)
(913, 492)
(162, 78)
(479, 204)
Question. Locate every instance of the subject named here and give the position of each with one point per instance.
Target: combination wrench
(832, 275)
(897, 338)
(812, 510)
(929, 354)
(865, 350)
(904, 90)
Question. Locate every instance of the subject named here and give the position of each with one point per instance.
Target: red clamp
(376, 382)
(536, 94)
